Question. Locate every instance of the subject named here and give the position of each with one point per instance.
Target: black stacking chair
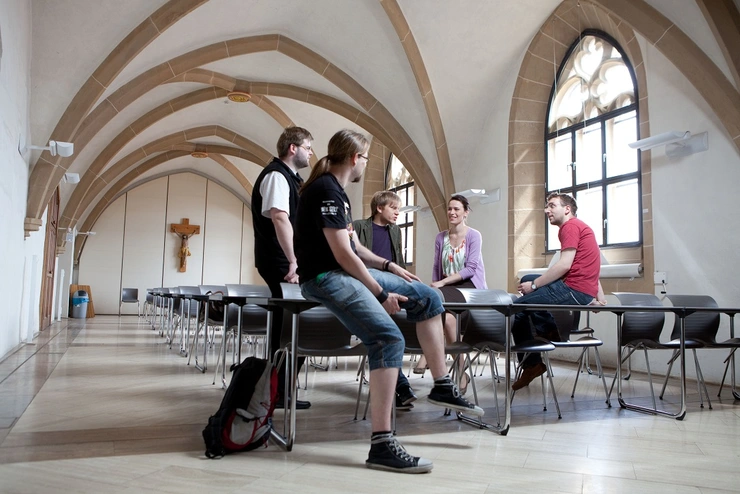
(701, 332)
(130, 296)
(566, 322)
(149, 304)
(640, 331)
(253, 323)
(320, 334)
(486, 332)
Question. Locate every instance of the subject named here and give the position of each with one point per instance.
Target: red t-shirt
(584, 272)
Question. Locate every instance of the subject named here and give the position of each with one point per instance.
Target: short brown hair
(291, 135)
(381, 199)
(565, 200)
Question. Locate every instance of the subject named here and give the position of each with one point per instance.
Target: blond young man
(380, 234)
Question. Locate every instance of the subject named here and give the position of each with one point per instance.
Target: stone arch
(527, 123)
(48, 170)
(416, 62)
(689, 59)
(93, 172)
(129, 92)
(208, 77)
(97, 183)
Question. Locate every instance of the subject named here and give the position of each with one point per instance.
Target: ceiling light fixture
(485, 197)
(239, 96)
(677, 144)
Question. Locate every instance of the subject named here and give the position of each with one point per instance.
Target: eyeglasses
(307, 148)
(367, 158)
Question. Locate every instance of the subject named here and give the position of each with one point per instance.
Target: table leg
(205, 341)
(477, 421)
(289, 418)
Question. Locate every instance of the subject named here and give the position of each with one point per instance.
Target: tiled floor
(102, 405)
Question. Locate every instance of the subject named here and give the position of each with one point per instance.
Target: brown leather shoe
(528, 375)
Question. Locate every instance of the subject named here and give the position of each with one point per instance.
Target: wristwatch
(534, 287)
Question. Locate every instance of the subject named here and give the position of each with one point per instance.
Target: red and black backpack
(244, 419)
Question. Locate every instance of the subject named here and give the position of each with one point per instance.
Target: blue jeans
(361, 313)
(556, 292)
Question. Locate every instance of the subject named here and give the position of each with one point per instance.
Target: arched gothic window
(591, 118)
(399, 180)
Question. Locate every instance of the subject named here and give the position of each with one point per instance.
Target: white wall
(133, 246)
(143, 240)
(222, 237)
(249, 274)
(17, 320)
(102, 255)
(186, 198)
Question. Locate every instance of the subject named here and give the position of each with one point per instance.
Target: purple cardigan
(474, 269)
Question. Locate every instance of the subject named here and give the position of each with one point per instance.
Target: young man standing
(573, 279)
(333, 271)
(382, 236)
(274, 207)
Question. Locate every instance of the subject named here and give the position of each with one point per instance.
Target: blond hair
(381, 199)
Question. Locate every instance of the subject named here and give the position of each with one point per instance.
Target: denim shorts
(357, 308)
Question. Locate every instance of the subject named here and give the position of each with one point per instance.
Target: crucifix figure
(184, 230)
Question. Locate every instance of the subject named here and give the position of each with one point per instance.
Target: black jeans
(556, 292)
(273, 277)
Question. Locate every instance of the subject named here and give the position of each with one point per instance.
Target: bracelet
(382, 296)
(386, 264)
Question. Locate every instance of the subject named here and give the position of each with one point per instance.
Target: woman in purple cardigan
(457, 263)
(457, 251)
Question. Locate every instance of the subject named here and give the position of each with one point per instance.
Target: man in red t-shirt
(572, 280)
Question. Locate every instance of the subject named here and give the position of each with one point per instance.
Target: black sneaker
(405, 395)
(447, 395)
(387, 454)
(299, 404)
(400, 405)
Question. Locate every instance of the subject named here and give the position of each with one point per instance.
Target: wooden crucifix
(184, 230)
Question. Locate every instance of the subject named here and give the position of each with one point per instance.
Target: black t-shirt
(323, 204)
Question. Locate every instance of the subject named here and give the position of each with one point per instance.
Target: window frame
(403, 191)
(606, 181)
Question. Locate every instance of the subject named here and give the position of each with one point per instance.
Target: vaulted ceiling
(141, 85)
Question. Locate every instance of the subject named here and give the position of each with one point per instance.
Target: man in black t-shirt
(333, 270)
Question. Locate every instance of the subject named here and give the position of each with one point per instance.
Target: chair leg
(578, 371)
(361, 373)
(600, 370)
(552, 386)
(727, 362)
(494, 381)
(700, 382)
(675, 355)
(650, 378)
(624, 359)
